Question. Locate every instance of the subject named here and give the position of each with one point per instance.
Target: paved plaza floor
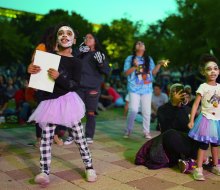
(113, 158)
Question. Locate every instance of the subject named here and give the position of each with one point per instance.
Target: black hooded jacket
(92, 71)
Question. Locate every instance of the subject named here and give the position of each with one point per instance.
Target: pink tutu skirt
(66, 110)
(206, 130)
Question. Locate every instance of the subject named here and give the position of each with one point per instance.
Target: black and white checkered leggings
(47, 140)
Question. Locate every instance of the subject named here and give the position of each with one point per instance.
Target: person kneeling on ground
(173, 143)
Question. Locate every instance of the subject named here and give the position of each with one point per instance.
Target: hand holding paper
(54, 74)
(33, 69)
(42, 80)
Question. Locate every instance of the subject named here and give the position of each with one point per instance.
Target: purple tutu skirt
(66, 110)
(206, 130)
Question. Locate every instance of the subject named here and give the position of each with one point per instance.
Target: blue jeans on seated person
(8, 112)
(25, 110)
(119, 102)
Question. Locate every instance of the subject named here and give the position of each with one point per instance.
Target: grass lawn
(7, 125)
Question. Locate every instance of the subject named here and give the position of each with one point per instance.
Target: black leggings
(90, 98)
(38, 130)
(205, 146)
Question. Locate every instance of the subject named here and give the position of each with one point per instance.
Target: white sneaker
(42, 179)
(89, 140)
(147, 136)
(127, 135)
(198, 174)
(216, 169)
(91, 175)
(69, 140)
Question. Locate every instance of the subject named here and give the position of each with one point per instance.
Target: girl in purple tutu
(206, 129)
(62, 107)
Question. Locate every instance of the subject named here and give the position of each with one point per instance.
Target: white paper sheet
(41, 80)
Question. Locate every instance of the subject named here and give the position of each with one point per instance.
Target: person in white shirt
(206, 128)
(158, 99)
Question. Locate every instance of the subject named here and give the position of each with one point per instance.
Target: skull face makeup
(65, 36)
(211, 71)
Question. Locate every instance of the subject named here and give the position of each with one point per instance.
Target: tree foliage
(184, 36)
(13, 44)
(118, 39)
(181, 37)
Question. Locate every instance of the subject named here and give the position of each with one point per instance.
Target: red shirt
(111, 91)
(26, 95)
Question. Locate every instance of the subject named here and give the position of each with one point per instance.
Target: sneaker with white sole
(186, 166)
(42, 179)
(198, 174)
(127, 134)
(216, 169)
(89, 140)
(69, 141)
(91, 175)
(147, 136)
(183, 165)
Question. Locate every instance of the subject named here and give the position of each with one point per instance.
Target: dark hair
(205, 58)
(98, 46)
(48, 39)
(3, 78)
(145, 56)
(58, 26)
(157, 85)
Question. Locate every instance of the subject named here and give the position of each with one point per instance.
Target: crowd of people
(147, 89)
(16, 99)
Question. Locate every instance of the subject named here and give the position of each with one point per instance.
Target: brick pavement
(113, 159)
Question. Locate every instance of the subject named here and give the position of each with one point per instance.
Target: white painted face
(65, 36)
(211, 70)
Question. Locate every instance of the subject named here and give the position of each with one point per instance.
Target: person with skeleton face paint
(206, 128)
(47, 44)
(94, 66)
(62, 107)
